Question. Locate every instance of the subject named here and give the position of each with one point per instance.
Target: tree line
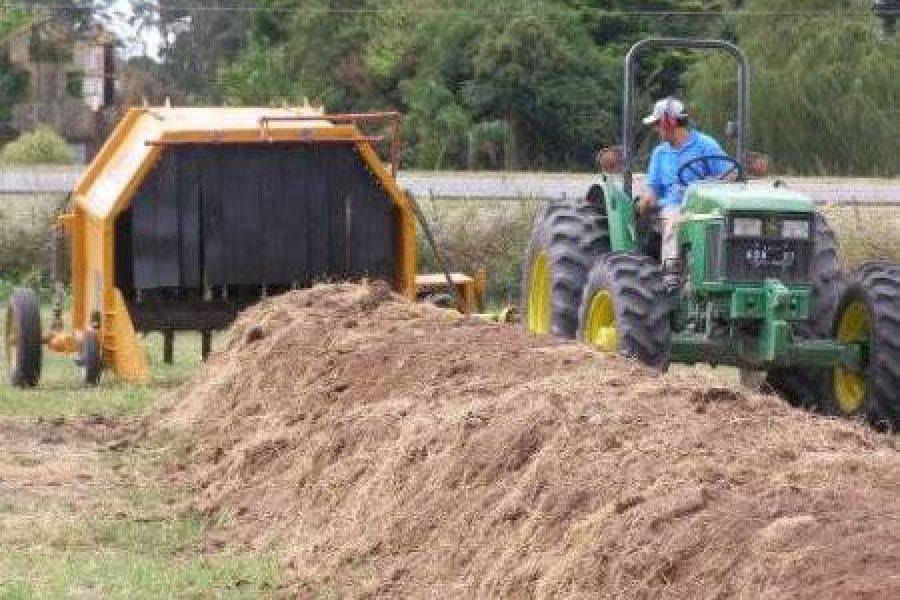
(537, 84)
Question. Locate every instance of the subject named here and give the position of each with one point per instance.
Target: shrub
(25, 235)
(40, 147)
(13, 88)
(472, 234)
(24, 261)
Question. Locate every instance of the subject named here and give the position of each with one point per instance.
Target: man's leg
(671, 215)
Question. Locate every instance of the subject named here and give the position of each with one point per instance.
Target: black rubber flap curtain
(261, 214)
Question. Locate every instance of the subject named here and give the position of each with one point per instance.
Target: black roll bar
(631, 70)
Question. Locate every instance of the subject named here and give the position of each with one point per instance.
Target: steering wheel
(707, 172)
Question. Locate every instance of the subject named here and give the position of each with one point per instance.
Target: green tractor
(759, 283)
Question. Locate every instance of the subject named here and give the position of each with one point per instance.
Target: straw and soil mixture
(396, 450)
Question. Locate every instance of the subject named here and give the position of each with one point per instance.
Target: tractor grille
(750, 259)
(715, 255)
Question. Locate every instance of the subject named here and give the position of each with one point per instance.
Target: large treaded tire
(810, 387)
(634, 283)
(877, 286)
(24, 343)
(570, 236)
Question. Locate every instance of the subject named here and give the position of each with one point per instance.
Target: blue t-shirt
(662, 173)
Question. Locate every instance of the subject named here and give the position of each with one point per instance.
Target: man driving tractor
(680, 145)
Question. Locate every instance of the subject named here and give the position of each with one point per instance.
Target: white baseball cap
(671, 107)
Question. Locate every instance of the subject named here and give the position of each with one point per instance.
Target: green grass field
(81, 518)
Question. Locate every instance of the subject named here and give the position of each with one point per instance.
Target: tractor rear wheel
(809, 386)
(24, 343)
(565, 241)
(869, 314)
(625, 309)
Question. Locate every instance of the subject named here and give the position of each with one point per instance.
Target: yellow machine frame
(130, 154)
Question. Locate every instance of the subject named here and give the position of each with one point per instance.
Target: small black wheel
(24, 343)
(869, 315)
(625, 309)
(566, 239)
(90, 358)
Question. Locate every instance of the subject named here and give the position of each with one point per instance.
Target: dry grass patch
(865, 232)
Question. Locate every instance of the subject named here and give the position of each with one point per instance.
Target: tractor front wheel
(24, 344)
(869, 315)
(808, 386)
(625, 309)
(565, 241)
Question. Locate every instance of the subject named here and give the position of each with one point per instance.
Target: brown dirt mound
(392, 450)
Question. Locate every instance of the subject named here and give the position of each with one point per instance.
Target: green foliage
(25, 244)
(825, 90)
(471, 235)
(198, 40)
(13, 86)
(43, 146)
(13, 81)
(11, 18)
(513, 84)
(24, 256)
(537, 84)
(259, 78)
(33, 278)
(545, 83)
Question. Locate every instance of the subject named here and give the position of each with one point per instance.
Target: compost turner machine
(188, 215)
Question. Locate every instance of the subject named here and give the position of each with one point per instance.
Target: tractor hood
(706, 198)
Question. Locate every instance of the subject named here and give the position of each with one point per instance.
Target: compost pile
(387, 449)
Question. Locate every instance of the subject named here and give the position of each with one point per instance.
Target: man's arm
(653, 186)
(719, 167)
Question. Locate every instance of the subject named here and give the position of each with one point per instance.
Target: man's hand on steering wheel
(735, 173)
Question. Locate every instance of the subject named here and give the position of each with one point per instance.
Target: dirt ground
(56, 458)
(394, 450)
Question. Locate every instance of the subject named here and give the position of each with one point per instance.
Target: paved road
(44, 180)
(38, 180)
(568, 185)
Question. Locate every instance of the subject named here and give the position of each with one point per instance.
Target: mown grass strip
(110, 530)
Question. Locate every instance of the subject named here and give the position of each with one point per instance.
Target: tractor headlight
(746, 227)
(795, 230)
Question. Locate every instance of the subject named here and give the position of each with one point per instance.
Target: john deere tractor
(758, 281)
